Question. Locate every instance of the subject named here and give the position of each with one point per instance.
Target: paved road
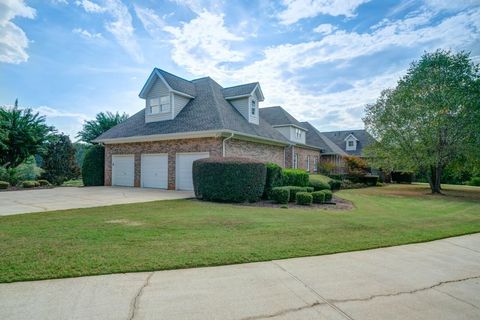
(434, 280)
(15, 202)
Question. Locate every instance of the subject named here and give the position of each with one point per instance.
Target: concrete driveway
(15, 202)
(434, 280)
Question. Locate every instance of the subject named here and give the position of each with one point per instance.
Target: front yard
(189, 233)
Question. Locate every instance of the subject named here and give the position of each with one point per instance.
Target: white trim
(290, 125)
(350, 135)
(148, 84)
(238, 97)
(172, 102)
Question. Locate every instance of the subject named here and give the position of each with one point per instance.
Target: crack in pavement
(136, 299)
(325, 301)
(438, 284)
(283, 312)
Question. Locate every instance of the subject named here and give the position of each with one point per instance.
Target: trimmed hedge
(318, 197)
(43, 182)
(475, 181)
(4, 185)
(369, 180)
(335, 184)
(230, 179)
(295, 177)
(30, 184)
(280, 195)
(93, 166)
(274, 178)
(328, 195)
(318, 185)
(293, 190)
(304, 198)
(402, 176)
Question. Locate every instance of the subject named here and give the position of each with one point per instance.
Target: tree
(23, 133)
(93, 166)
(59, 161)
(103, 121)
(431, 119)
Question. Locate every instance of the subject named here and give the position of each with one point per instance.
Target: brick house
(187, 120)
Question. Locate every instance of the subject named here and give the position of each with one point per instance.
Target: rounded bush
(295, 177)
(93, 170)
(29, 184)
(304, 198)
(274, 178)
(318, 185)
(43, 182)
(475, 181)
(328, 195)
(280, 195)
(293, 191)
(4, 185)
(318, 197)
(335, 184)
(229, 179)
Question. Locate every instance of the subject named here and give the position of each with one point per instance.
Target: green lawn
(189, 233)
(73, 183)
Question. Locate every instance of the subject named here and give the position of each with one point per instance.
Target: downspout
(224, 140)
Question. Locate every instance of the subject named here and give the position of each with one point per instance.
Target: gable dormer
(285, 123)
(351, 142)
(246, 99)
(165, 95)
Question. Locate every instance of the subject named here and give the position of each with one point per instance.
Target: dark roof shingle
(338, 137)
(177, 83)
(278, 116)
(240, 90)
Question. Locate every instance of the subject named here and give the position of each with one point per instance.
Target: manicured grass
(73, 183)
(189, 233)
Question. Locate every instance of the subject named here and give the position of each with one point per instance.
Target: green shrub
(43, 182)
(304, 198)
(274, 178)
(293, 191)
(280, 195)
(295, 177)
(369, 180)
(4, 175)
(309, 189)
(30, 184)
(335, 184)
(318, 197)
(93, 166)
(339, 177)
(347, 184)
(475, 181)
(318, 185)
(229, 179)
(4, 185)
(328, 195)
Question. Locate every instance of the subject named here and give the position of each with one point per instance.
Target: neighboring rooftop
(338, 137)
(240, 90)
(317, 139)
(277, 116)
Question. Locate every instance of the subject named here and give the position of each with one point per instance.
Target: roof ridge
(214, 96)
(332, 145)
(240, 85)
(173, 75)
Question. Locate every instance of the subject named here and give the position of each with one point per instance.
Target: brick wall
(212, 145)
(302, 157)
(258, 151)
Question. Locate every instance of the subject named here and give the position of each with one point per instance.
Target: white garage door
(184, 161)
(154, 171)
(123, 172)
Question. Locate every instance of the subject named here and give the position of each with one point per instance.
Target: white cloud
(90, 6)
(301, 9)
(204, 42)
(150, 20)
(69, 123)
(198, 6)
(13, 40)
(86, 34)
(325, 28)
(120, 26)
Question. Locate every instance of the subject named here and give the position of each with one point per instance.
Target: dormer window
(253, 107)
(298, 133)
(350, 144)
(159, 105)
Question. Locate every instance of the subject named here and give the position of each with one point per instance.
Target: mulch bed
(25, 189)
(338, 204)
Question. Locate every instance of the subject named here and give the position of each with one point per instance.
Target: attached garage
(183, 169)
(123, 170)
(154, 170)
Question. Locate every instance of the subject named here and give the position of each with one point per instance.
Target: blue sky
(321, 60)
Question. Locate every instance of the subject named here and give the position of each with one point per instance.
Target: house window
(308, 163)
(253, 107)
(350, 143)
(298, 133)
(158, 105)
(295, 161)
(315, 164)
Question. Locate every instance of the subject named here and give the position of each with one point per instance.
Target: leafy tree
(80, 150)
(103, 121)
(93, 166)
(59, 161)
(431, 119)
(23, 133)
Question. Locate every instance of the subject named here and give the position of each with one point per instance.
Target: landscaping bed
(337, 204)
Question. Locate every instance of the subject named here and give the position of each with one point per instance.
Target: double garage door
(154, 170)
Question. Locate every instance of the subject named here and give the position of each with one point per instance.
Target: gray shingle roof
(240, 90)
(177, 83)
(338, 137)
(277, 116)
(316, 138)
(207, 111)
